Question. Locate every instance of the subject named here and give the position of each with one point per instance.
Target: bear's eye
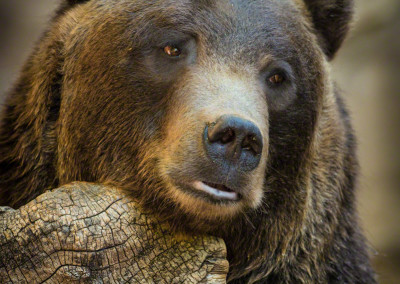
(172, 51)
(276, 79)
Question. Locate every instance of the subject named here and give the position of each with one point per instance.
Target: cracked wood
(87, 233)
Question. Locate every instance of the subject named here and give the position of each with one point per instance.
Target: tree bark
(88, 233)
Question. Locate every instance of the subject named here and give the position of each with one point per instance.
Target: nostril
(228, 136)
(223, 136)
(252, 144)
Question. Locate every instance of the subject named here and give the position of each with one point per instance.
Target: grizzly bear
(220, 116)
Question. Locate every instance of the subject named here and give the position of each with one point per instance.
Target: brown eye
(276, 79)
(172, 51)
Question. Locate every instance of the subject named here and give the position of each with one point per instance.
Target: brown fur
(98, 102)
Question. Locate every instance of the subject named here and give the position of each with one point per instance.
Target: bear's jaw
(212, 200)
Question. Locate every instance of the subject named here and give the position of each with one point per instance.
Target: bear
(218, 116)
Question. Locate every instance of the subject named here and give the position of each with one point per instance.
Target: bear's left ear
(331, 19)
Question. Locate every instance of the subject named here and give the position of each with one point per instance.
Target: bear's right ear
(331, 20)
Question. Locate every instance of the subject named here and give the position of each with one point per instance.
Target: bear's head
(195, 104)
(209, 111)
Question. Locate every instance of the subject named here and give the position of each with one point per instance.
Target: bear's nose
(234, 141)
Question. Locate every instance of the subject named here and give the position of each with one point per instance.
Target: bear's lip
(218, 191)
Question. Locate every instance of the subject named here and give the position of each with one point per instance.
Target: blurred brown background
(368, 70)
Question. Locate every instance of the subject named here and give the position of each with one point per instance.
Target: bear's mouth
(217, 191)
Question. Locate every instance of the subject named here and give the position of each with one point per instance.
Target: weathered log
(87, 233)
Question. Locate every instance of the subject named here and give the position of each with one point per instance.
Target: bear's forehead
(222, 15)
(232, 24)
(213, 16)
(237, 30)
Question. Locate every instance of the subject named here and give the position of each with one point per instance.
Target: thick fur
(95, 103)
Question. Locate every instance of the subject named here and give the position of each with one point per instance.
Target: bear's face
(202, 105)
(218, 116)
